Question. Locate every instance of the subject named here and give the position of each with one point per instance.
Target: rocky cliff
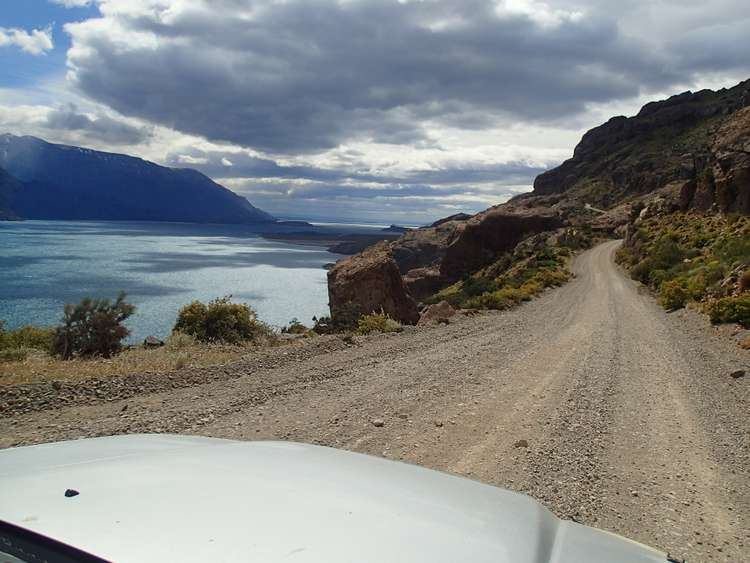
(694, 139)
(691, 151)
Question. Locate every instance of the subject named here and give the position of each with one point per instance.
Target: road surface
(591, 399)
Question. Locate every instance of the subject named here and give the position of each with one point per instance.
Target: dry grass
(39, 366)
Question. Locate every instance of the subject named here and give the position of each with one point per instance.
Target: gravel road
(591, 398)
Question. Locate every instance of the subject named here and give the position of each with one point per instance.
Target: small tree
(92, 328)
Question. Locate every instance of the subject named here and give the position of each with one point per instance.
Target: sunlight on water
(162, 266)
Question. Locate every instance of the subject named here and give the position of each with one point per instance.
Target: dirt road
(591, 398)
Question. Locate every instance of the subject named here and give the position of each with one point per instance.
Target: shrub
(220, 321)
(35, 337)
(477, 286)
(665, 253)
(295, 327)
(377, 322)
(673, 295)
(92, 328)
(180, 341)
(733, 250)
(641, 271)
(730, 310)
(552, 278)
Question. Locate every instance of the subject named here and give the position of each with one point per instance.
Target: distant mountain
(64, 182)
(9, 187)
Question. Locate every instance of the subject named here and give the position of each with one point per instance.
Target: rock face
(373, 281)
(695, 138)
(730, 164)
(483, 238)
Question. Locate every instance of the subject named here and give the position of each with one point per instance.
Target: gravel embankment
(591, 399)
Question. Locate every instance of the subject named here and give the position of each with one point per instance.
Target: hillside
(9, 187)
(72, 183)
(688, 141)
(687, 154)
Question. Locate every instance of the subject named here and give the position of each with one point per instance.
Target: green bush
(666, 253)
(477, 286)
(673, 295)
(641, 271)
(377, 322)
(730, 310)
(295, 327)
(35, 337)
(92, 328)
(220, 321)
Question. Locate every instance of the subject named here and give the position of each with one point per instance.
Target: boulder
(439, 312)
(153, 342)
(373, 282)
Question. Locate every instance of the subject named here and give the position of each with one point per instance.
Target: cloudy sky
(383, 110)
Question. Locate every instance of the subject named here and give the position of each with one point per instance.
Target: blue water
(162, 266)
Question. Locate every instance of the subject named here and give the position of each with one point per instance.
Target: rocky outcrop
(372, 281)
(669, 141)
(730, 164)
(425, 247)
(437, 313)
(483, 238)
(391, 276)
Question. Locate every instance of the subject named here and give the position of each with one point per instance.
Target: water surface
(162, 266)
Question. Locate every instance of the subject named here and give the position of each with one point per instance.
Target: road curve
(591, 399)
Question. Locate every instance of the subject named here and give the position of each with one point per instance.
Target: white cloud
(37, 42)
(72, 3)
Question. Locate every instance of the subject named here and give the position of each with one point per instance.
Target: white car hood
(177, 498)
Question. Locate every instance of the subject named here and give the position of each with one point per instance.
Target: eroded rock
(372, 281)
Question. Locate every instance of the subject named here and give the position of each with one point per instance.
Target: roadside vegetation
(221, 321)
(89, 342)
(535, 265)
(694, 259)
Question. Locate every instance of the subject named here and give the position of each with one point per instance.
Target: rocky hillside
(63, 182)
(689, 152)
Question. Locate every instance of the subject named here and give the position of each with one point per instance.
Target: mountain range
(41, 180)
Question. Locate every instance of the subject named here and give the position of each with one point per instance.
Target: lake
(161, 266)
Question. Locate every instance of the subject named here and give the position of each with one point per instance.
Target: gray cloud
(306, 76)
(406, 204)
(102, 128)
(219, 164)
